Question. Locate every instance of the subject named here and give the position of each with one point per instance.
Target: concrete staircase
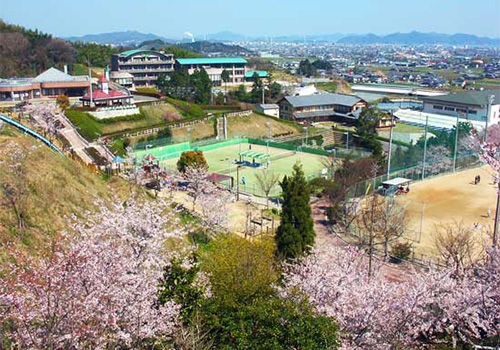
(221, 128)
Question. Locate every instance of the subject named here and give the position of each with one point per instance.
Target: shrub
(171, 117)
(63, 102)
(318, 184)
(191, 158)
(401, 251)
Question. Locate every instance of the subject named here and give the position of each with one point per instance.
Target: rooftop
(323, 99)
(133, 52)
(55, 75)
(261, 73)
(476, 98)
(212, 60)
(269, 106)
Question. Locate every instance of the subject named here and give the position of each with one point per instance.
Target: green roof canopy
(253, 154)
(214, 60)
(261, 73)
(133, 52)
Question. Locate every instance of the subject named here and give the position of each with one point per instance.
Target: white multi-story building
(236, 66)
(144, 65)
(480, 108)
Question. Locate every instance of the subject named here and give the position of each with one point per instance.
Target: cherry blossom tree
(98, 286)
(46, 117)
(14, 182)
(438, 160)
(430, 306)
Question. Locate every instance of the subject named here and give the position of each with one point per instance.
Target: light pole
(490, 102)
(425, 145)
(268, 136)
(456, 145)
(238, 182)
(390, 148)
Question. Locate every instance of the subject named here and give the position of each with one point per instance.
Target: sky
(171, 18)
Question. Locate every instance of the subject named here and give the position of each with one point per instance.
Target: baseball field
(448, 198)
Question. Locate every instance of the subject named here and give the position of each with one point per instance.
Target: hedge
(188, 109)
(87, 125)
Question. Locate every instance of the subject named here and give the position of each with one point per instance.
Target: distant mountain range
(128, 38)
(201, 47)
(134, 38)
(417, 38)
(206, 47)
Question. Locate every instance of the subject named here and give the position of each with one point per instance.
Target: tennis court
(281, 161)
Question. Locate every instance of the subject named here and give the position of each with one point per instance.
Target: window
(437, 107)
(449, 109)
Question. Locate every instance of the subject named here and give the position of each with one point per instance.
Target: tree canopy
(295, 235)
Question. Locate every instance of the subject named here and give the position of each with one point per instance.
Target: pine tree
(295, 235)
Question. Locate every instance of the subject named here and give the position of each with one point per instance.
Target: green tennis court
(281, 161)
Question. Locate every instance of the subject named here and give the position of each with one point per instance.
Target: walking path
(79, 144)
(325, 240)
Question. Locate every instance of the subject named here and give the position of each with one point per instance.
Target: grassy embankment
(57, 188)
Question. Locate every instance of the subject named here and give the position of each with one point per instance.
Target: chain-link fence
(415, 173)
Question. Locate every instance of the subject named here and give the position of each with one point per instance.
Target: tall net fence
(416, 173)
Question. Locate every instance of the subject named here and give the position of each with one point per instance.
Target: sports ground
(448, 198)
(222, 160)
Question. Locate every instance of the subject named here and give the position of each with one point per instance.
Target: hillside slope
(49, 189)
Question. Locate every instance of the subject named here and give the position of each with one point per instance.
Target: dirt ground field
(447, 198)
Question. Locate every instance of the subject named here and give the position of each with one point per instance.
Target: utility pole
(263, 95)
(456, 145)
(425, 145)
(390, 148)
(90, 83)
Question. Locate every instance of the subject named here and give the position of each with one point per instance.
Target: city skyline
(262, 19)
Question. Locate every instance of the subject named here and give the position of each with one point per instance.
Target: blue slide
(30, 132)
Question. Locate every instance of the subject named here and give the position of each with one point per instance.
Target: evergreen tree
(257, 88)
(295, 235)
(203, 86)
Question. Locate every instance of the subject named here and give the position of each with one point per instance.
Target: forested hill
(196, 49)
(207, 47)
(27, 53)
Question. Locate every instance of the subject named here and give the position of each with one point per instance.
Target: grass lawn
(221, 161)
(331, 86)
(218, 111)
(255, 126)
(406, 128)
(148, 89)
(90, 127)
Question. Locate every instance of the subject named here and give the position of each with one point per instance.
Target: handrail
(31, 132)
